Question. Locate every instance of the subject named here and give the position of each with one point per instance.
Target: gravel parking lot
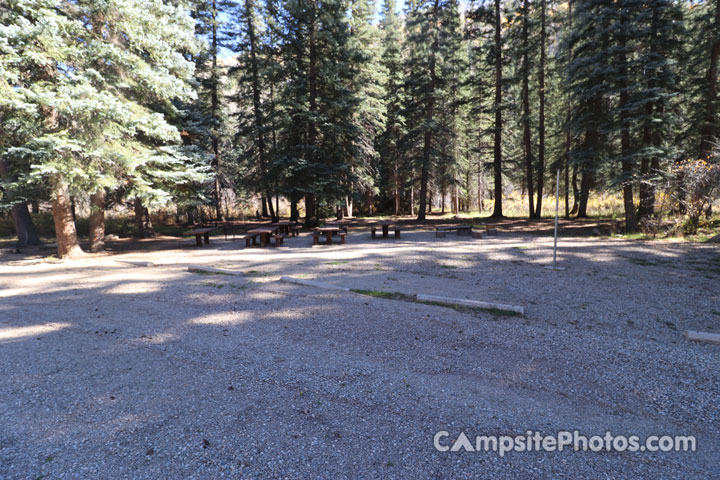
(112, 369)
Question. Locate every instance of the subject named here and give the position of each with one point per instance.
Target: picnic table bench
(250, 238)
(265, 235)
(329, 231)
(385, 226)
(285, 226)
(199, 234)
(460, 229)
(340, 225)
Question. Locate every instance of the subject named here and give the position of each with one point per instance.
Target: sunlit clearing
(130, 288)
(224, 318)
(18, 333)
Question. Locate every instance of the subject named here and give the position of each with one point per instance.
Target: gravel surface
(113, 369)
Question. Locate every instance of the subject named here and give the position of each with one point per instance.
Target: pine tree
(655, 99)
(19, 126)
(432, 66)
(205, 118)
(703, 74)
(368, 79)
(497, 148)
(99, 81)
(320, 133)
(626, 22)
(541, 111)
(392, 166)
(422, 86)
(587, 78)
(253, 122)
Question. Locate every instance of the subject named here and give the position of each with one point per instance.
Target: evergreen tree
(541, 110)
(655, 99)
(204, 118)
(320, 133)
(432, 66)
(588, 72)
(98, 80)
(391, 165)
(253, 116)
(486, 30)
(703, 76)
(368, 79)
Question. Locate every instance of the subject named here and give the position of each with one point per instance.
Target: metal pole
(557, 207)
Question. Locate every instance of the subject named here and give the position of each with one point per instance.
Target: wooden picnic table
(385, 225)
(460, 229)
(199, 234)
(341, 224)
(329, 231)
(284, 226)
(264, 233)
(231, 228)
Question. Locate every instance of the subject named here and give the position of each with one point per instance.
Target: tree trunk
(24, 228)
(313, 95)
(143, 224)
(429, 116)
(568, 139)
(541, 133)
(527, 140)
(22, 221)
(349, 206)
(631, 224)
(72, 209)
(497, 148)
(263, 206)
(650, 166)
(585, 186)
(65, 233)
(294, 213)
(424, 184)
(625, 147)
(396, 181)
(311, 219)
(97, 221)
(214, 107)
(576, 191)
(479, 186)
(412, 200)
(257, 110)
(567, 175)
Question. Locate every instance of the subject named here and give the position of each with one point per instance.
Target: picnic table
(329, 231)
(341, 224)
(231, 228)
(460, 229)
(264, 233)
(199, 234)
(385, 225)
(284, 226)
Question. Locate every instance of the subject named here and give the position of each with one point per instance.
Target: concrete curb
(137, 264)
(311, 283)
(204, 269)
(471, 303)
(703, 336)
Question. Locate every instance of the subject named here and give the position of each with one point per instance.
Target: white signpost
(557, 210)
